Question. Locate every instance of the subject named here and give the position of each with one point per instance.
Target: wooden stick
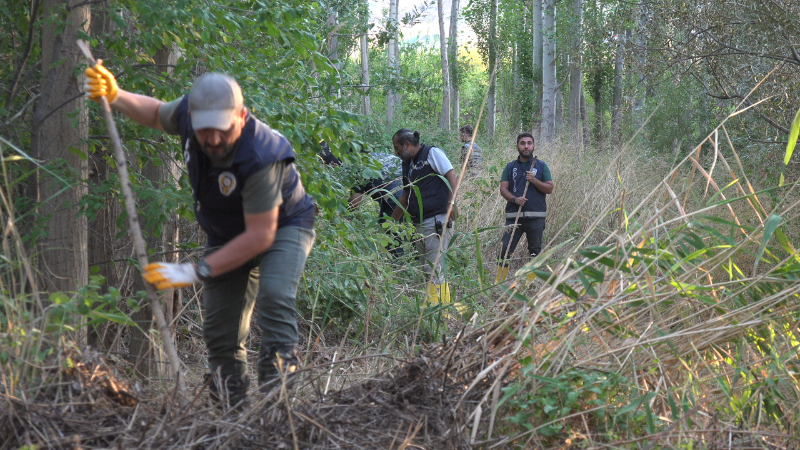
(136, 233)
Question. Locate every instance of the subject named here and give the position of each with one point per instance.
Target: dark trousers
(269, 282)
(533, 229)
(387, 202)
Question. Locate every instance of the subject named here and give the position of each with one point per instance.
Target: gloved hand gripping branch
(170, 275)
(99, 82)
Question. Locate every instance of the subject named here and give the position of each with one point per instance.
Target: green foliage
(549, 406)
(85, 308)
(349, 279)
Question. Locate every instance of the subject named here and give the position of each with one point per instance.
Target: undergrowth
(662, 314)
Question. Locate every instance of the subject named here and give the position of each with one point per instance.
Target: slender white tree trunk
(641, 61)
(365, 74)
(455, 110)
(444, 120)
(333, 48)
(392, 56)
(537, 54)
(576, 80)
(616, 102)
(548, 70)
(491, 101)
(516, 84)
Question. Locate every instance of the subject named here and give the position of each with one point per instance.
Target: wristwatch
(203, 270)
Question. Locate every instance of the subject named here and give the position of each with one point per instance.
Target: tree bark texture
(642, 23)
(148, 358)
(392, 57)
(455, 109)
(333, 48)
(537, 52)
(616, 103)
(576, 79)
(104, 249)
(365, 74)
(548, 70)
(60, 129)
(491, 101)
(444, 119)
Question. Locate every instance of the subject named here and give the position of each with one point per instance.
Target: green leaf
(479, 260)
(793, 133)
(635, 404)
(769, 229)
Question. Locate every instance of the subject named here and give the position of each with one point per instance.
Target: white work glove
(170, 275)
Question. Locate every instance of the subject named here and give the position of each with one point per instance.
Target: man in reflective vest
(524, 184)
(423, 169)
(249, 200)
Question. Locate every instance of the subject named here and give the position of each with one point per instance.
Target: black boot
(232, 393)
(273, 361)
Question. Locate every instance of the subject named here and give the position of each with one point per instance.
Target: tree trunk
(59, 131)
(147, 359)
(576, 80)
(365, 74)
(491, 101)
(587, 132)
(333, 49)
(392, 57)
(444, 120)
(548, 70)
(641, 62)
(616, 103)
(560, 111)
(537, 53)
(455, 110)
(514, 117)
(103, 247)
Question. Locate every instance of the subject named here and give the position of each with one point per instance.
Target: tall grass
(661, 314)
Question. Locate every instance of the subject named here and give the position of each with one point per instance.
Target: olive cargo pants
(269, 282)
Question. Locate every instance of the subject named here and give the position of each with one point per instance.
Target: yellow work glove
(170, 275)
(99, 82)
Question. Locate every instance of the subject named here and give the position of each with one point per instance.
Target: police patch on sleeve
(227, 183)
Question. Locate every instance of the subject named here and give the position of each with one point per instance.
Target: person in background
(385, 189)
(525, 183)
(475, 163)
(249, 200)
(424, 167)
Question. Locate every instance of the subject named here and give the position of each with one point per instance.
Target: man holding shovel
(249, 200)
(524, 184)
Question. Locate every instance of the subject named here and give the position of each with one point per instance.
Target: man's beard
(217, 156)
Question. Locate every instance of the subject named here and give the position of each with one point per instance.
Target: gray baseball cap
(214, 101)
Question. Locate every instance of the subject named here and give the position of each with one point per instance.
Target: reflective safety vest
(217, 191)
(536, 206)
(432, 189)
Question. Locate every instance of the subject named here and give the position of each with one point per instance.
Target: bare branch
(19, 113)
(12, 90)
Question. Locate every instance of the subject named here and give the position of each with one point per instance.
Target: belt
(527, 215)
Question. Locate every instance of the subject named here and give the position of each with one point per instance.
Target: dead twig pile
(434, 401)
